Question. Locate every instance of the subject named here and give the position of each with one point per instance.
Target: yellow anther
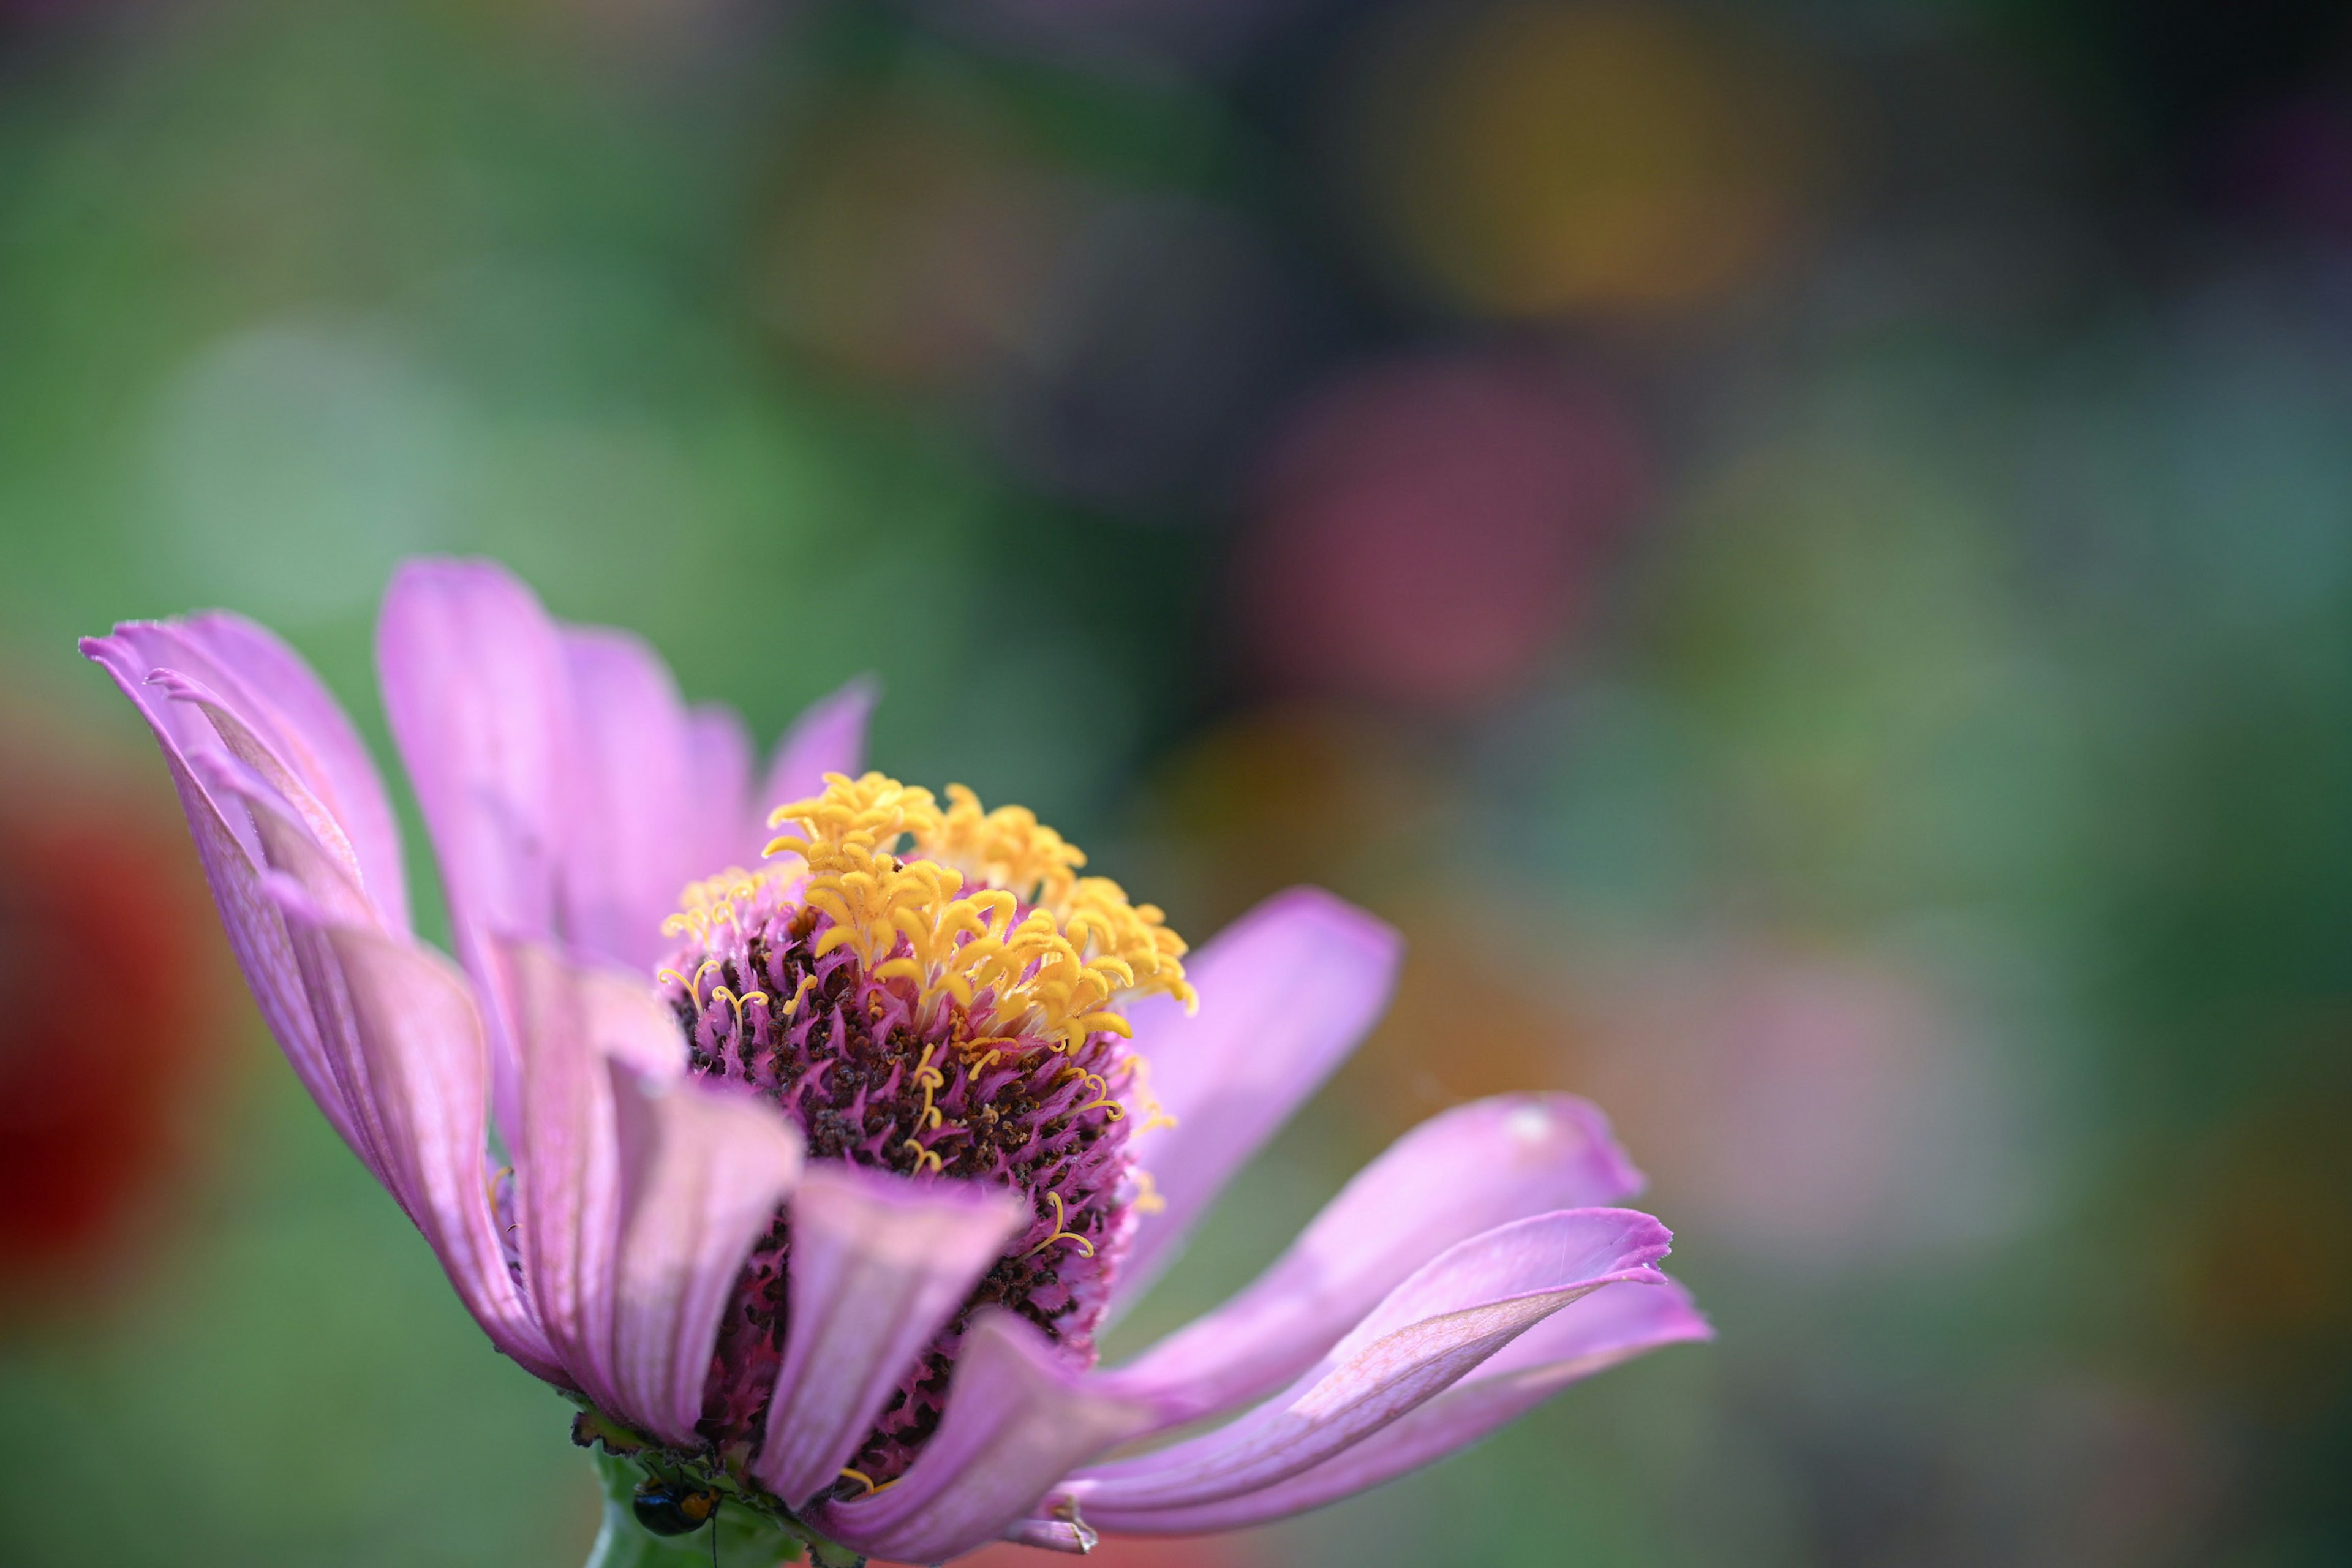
(1060, 1234)
(863, 1480)
(922, 1154)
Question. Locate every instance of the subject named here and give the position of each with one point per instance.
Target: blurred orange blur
(1532, 158)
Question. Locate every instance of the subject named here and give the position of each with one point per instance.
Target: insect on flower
(820, 1181)
(674, 1507)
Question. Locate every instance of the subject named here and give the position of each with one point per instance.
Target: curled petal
(1016, 1420)
(1459, 1174)
(1586, 1337)
(304, 874)
(221, 695)
(1450, 1316)
(251, 752)
(703, 1166)
(293, 730)
(264, 950)
(1286, 993)
(879, 1264)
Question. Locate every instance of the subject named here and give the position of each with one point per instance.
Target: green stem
(747, 1538)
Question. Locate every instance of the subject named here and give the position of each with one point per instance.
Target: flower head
(820, 1178)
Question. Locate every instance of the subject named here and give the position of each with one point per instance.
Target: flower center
(932, 991)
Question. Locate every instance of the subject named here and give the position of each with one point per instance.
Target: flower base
(748, 1533)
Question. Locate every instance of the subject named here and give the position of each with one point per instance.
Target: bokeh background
(1802, 550)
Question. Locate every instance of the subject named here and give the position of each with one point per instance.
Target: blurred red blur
(1428, 527)
(111, 1012)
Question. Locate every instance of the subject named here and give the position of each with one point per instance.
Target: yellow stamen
(931, 1080)
(693, 986)
(720, 992)
(1051, 975)
(1102, 1101)
(808, 983)
(1139, 1095)
(862, 1478)
(1147, 1193)
(726, 896)
(1059, 1233)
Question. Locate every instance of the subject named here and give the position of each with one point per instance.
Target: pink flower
(823, 1177)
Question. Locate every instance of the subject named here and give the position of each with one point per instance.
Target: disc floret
(936, 992)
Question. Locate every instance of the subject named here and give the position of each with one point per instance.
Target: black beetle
(673, 1508)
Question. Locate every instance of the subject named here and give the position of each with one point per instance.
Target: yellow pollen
(981, 911)
(723, 898)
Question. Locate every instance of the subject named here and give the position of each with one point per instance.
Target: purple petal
(719, 752)
(329, 767)
(293, 720)
(1586, 1337)
(1286, 993)
(829, 738)
(302, 873)
(879, 1264)
(476, 688)
(1454, 1313)
(703, 1166)
(1457, 1175)
(1072, 1537)
(569, 1020)
(254, 756)
(258, 934)
(1017, 1418)
(630, 842)
(413, 1017)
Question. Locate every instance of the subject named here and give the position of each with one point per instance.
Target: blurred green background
(1801, 552)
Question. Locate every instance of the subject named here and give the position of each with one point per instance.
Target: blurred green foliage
(1938, 804)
